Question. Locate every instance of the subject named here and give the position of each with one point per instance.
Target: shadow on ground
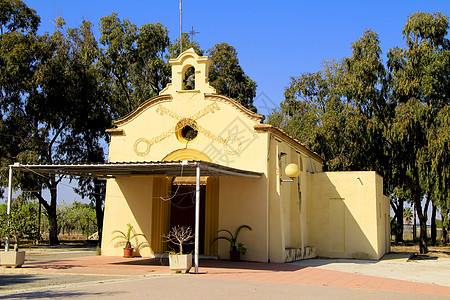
(216, 264)
(12, 279)
(53, 295)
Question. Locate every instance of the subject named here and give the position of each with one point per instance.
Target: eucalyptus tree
(17, 17)
(87, 136)
(18, 62)
(338, 111)
(51, 101)
(68, 109)
(343, 112)
(132, 62)
(174, 46)
(307, 99)
(420, 80)
(361, 116)
(18, 26)
(228, 78)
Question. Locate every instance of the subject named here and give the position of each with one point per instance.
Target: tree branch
(42, 200)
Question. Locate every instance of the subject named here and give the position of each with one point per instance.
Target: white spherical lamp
(292, 171)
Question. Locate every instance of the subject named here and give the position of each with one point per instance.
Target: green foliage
(407, 214)
(126, 236)
(23, 221)
(174, 47)
(60, 91)
(15, 16)
(338, 111)
(132, 63)
(53, 104)
(232, 239)
(228, 77)
(78, 217)
(360, 115)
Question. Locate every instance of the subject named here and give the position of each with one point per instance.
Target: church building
(193, 137)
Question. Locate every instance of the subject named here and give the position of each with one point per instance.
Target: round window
(187, 130)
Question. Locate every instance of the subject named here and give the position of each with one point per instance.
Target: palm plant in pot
(236, 249)
(179, 261)
(126, 238)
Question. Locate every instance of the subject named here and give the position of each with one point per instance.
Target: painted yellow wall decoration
(332, 214)
(232, 145)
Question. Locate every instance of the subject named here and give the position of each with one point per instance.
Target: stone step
(295, 254)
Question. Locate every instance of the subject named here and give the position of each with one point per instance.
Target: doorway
(182, 213)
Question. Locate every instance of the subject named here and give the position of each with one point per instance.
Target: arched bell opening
(189, 78)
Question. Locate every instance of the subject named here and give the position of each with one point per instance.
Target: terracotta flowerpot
(128, 252)
(12, 259)
(180, 263)
(235, 255)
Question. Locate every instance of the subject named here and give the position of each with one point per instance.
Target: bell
(190, 83)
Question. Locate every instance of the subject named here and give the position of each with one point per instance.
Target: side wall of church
(347, 214)
(287, 207)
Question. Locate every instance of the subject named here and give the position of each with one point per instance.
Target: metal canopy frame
(183, 168)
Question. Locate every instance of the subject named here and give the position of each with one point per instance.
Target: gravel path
(46, 253)
(12, 280)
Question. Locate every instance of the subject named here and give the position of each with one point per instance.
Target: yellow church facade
(330, 214)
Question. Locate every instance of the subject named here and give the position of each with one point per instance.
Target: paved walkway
(237, 273)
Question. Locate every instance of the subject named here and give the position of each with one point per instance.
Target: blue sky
(275, 40)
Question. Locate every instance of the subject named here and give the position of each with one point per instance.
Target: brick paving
(225, 270)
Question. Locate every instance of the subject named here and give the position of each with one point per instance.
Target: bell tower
(189, 74)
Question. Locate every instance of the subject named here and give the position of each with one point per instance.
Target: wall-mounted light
(292, 171)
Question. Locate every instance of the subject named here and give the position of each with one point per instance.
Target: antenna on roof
(181, 30)
(192, 33)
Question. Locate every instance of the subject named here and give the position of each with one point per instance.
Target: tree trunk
(99, 208)
(415, 223)
(423, 237)
(51, 214)
(444, 216)
(39, 221)
(52, 227)
(52, 217)
(399, 217)
(423, 248)
(433, 224)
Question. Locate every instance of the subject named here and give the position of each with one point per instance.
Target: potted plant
(236, 249)
(15, 258)
(179, 261)
(127, 236)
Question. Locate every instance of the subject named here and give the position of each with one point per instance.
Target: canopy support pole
(8, 208)
(301, 218)
(197, 218)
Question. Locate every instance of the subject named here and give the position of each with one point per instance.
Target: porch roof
(157, 168)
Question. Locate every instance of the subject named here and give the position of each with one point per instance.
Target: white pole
(181, 30)
(8, 208)
(302, 241)
(197, 218)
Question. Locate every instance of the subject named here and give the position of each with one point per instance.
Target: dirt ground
(403, 262)
(434, 251)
